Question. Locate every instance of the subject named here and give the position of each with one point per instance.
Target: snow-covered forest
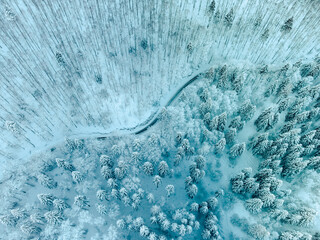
(159, 119)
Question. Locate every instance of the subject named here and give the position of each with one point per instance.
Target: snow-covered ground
(194, 126)
(221, 98)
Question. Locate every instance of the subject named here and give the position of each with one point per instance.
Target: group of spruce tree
(287, 144)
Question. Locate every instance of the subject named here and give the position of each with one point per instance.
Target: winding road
(150, 121)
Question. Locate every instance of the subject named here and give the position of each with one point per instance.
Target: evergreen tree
(212, 7)
(250, 185)
(170, 190)
(102, 209)
(307, 216)
(77, 176)
(237, 83)
(247, 110)
(306, 139)
(236, 123)
(222, 76)
(212, 202)
(279, 214)
(230, 135)
(106, 161)
(107, 172)
(37, 218)
(220, 145)
(229, 18)
(203, 209)
(8, 220)
(284, 88)
(264, 119)
(102, 195)
(121, 224)
(283, 104)
(148, 168)
(46, 181)
(192, 190)
(30, 228)
(194, 207)
(287, 26)
(60, 204)
(293, 167)
(54, 217)
(46, 199)
(81, 201)
(258, 231)
(254, 205)
(157, 180)
(200, 161)
(294, 109)
(163, 169)
(144, 231)
(237, 150)
(222, 121)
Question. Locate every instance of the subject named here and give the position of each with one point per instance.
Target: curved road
(150, 121)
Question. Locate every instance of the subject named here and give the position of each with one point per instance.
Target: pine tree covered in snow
(160, 120)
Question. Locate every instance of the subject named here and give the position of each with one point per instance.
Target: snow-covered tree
(106, 161)
(258, 231)
(250, 185)
(107, 172)
(306, 139)
(46, 199)
(148, 168)
(157, 180)
(230, 135)
(293, 167)
(102, 195)
(229, 18)
(237, 150)
(115, 193)
(137, 223)
(54, 217)
(212, 202)
(200, 161)
(236, 123)
(254, 205)
(222, 77)
(283, 104)
(81, 201)
(77, 176)
(150, 198)
(247, 110)
(102, 209)
(60, 204)
(222, 121)
(46, 181)
(203, 209)
(192, 190)
(264, 119)
(220, 145)
(163, 169)
(287, 26)
(144, 231)
(62, 163)
(30, 228)
(170, 190)
(206, 234)
(121, 223)
(194, 207)
(314, 163)
(307, 216)
(279, 214)
(8, 220)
